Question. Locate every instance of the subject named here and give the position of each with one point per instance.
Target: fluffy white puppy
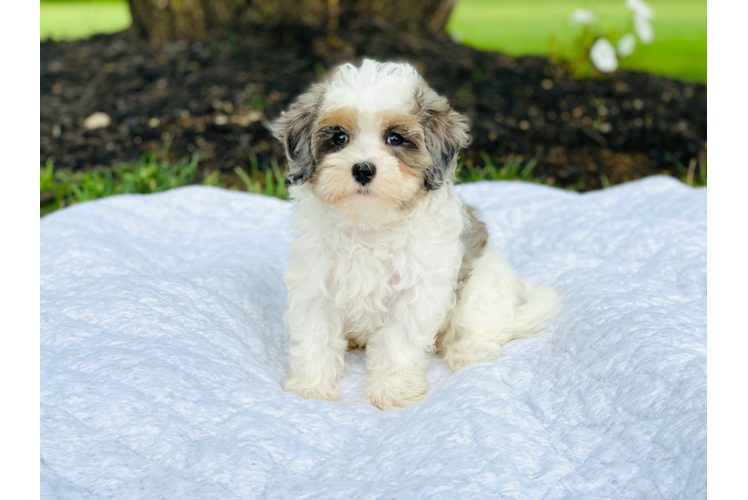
(386, 256)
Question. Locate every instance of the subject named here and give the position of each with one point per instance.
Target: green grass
(72, 20)
(530, 26)
(516, 169)
(513, 169)
(62, 187)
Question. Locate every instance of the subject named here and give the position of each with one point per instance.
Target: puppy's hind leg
(483, 318)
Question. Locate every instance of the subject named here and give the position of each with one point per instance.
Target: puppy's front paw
(394, 392)
(325, 391)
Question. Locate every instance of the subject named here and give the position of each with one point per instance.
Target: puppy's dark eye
(394, 139)
(340, 138)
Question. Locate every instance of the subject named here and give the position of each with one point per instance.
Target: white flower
(626, 45)
(603, 55)
(640, 9)
(644, 29)
(582, 16)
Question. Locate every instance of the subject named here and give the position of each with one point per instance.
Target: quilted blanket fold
(163, 353)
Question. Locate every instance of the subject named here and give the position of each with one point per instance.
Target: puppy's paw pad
(309, 390)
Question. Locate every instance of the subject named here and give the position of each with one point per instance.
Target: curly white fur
(381, 265)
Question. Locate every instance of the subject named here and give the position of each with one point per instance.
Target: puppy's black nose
(363, 172)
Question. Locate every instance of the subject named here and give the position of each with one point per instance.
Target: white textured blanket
(163, 353)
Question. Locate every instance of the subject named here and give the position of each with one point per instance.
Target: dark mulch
(217, 98)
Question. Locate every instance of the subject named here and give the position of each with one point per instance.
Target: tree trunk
(165, 20)
(417, 17)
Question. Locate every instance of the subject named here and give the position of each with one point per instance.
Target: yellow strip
(727, 221)
(727, 270)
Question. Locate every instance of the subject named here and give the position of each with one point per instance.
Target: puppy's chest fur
(371, 272)
(371, 275)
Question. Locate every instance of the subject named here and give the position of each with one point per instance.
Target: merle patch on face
(446, 133)
(294, 129)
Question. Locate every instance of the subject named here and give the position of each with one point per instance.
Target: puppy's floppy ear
(294, 130)
(446, 133)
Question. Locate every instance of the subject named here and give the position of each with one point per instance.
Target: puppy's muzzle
(364, 172)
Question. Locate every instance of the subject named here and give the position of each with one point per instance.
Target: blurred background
(148, 95)
(141, 96)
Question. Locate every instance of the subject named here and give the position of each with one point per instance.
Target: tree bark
(166, 20)
(417, 17)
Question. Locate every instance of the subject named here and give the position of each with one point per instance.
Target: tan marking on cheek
(415, 199)
(409, 172)
(405, 170)
(401, 188)
(414, 160)
(342, 117)
(412, 176)
(331, 184)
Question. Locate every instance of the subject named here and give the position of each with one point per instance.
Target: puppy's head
(371, 139)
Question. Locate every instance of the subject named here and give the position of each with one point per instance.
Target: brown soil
(217, 98)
